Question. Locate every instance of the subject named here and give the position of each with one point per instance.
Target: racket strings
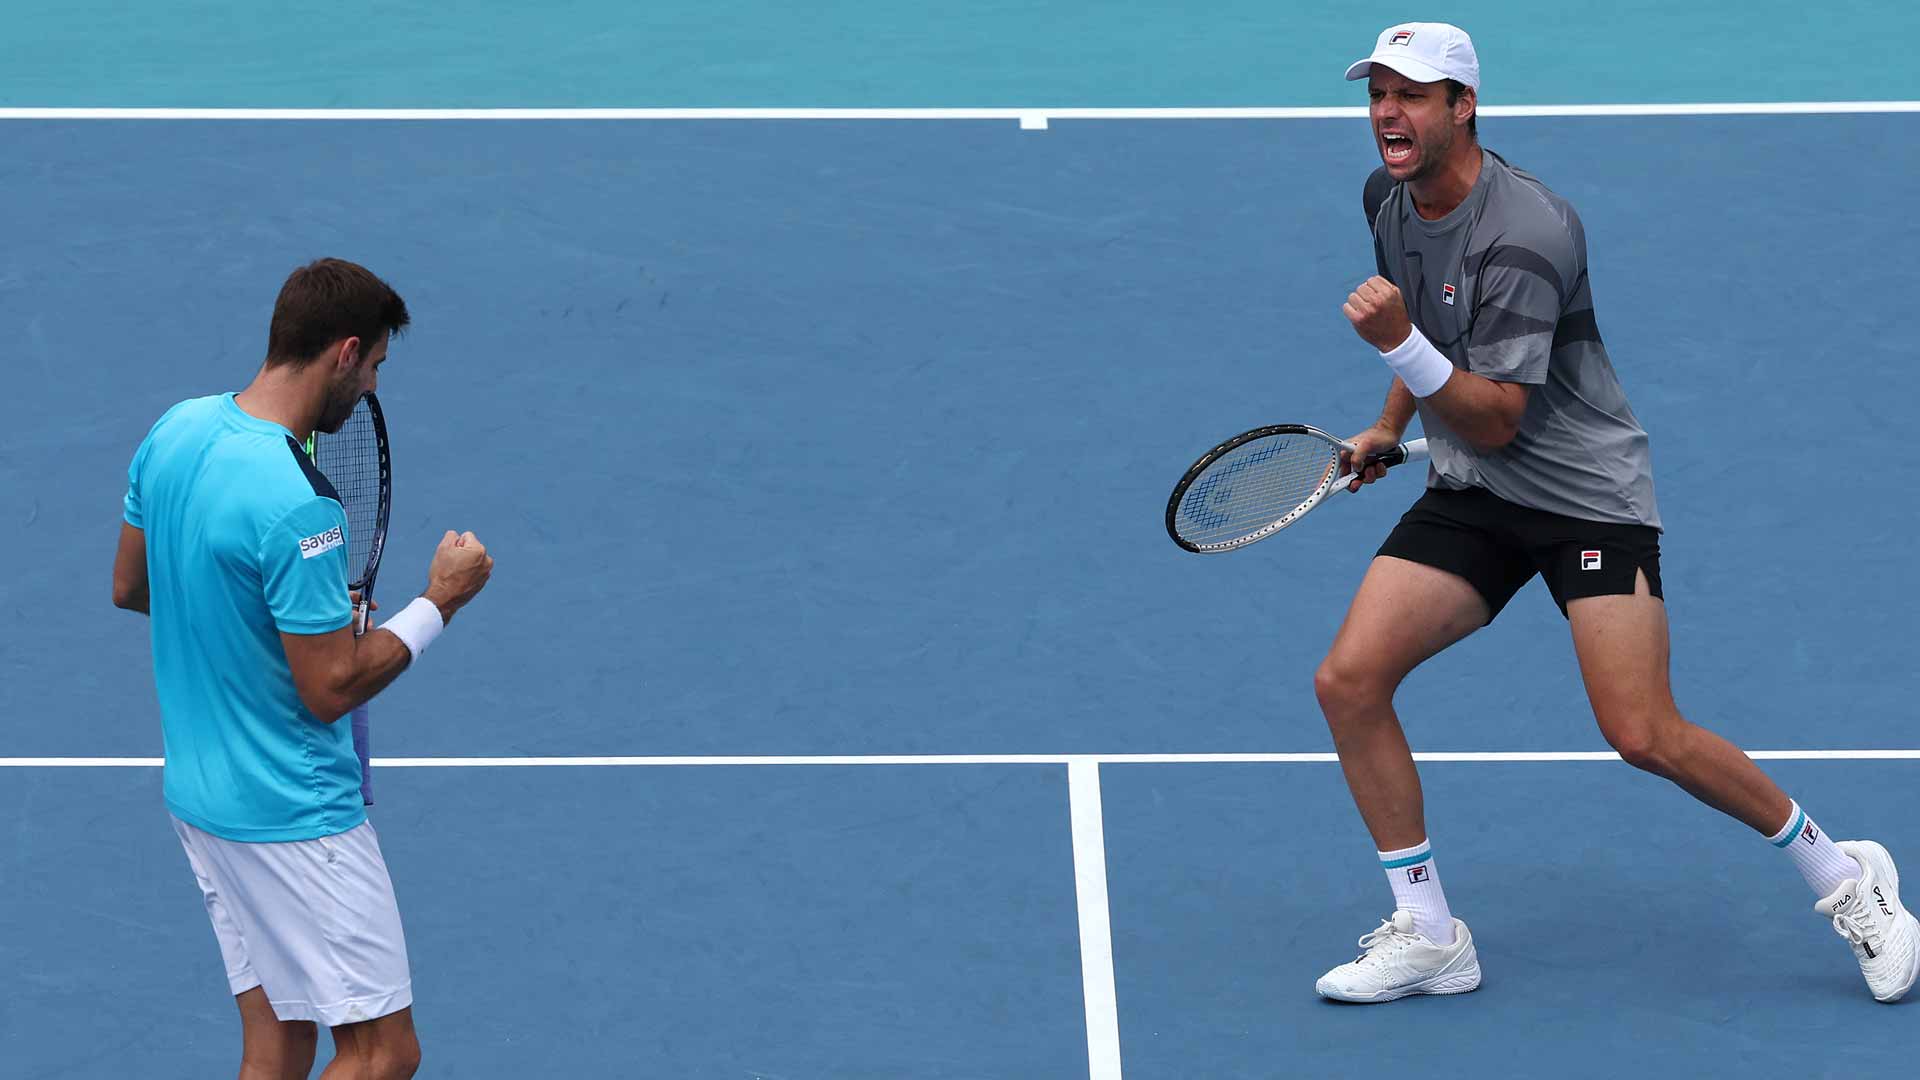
(350, 459)
(1252, 486)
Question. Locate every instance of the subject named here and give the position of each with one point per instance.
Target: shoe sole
(1460, 982)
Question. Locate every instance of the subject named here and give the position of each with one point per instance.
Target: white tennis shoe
(1398, 962)
(1868, 913)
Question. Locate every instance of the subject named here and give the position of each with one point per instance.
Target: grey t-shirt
(1500, 286)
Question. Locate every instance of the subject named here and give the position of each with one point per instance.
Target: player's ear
(347, 355)
(1465, 105)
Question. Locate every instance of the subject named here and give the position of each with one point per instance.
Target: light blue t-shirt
(245, 540)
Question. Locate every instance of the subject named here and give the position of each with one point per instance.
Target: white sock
(1823, 865)
(1416, 890)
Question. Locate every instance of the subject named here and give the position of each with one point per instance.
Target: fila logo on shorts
(1401, 37)
(1416, 875)
(320, 542)
(1589, 560)
(1446, 295)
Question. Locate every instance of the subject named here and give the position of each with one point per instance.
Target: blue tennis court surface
(851, 438)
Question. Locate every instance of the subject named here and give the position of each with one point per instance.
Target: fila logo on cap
(1424, 52)
(1589, 560)
(1446, 294)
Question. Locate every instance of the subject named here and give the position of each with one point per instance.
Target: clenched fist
(1378, 314)
(460, 569)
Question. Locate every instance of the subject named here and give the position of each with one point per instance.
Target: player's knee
(397, 1062)
(1638, 742)
(1343, 686)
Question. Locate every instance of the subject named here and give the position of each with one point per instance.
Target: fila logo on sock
(1589, 560)
(1446, 294)
(1809, 834)
(1418, 874)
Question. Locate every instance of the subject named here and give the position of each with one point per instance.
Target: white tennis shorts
(313, 922)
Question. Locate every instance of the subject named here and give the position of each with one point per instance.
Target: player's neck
(1436, 196)
(281, 395)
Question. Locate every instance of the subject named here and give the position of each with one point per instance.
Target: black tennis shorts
(1498, 546)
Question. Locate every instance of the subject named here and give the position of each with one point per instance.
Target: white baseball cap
(1423, 52)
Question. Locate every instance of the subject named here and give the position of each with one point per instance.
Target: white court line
(1036, 117)
(1096, 930)
(974, 759)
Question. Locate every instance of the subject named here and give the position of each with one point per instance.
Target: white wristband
(1422, 367)
(416, 625)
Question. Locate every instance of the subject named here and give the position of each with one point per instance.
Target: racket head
(1252, 486)
(357, 462)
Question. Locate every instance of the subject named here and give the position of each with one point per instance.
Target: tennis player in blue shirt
(235, 545)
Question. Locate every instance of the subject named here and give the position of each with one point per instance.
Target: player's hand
(362, 619)
(1378, 314)
(1373, 441)
(460, 569)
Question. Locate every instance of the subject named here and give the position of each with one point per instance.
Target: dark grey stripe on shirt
(1524, 260)
(1576, 326)
(1494, 325)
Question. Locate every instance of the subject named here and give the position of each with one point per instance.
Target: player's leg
(1622, 643)
(1447, 569)
(383, 1049)
(1403, 613)
(1623, 647)
(272, 1048)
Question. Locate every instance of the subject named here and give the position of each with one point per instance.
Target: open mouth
(1397, 149)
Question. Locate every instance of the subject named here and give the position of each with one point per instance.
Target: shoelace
(1851, 922)
(1388, 935)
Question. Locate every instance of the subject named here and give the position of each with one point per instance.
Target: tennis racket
(1261, 481)
(355, 461)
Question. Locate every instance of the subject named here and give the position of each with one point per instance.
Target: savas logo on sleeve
(321, 542)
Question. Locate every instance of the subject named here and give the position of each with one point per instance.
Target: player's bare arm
(1483, 412)
(337, 672)
(130, 570)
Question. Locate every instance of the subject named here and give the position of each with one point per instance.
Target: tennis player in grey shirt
(1483, 312)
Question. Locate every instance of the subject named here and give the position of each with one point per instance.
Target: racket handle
(363, 749)
(1411, 450)
(362, 741)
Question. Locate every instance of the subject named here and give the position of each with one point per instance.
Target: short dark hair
(326, 300)
(1454, 89)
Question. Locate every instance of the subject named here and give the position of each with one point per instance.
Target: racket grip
(1414, 450)
(362, 740)
(1411, 450)
(363, 749)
